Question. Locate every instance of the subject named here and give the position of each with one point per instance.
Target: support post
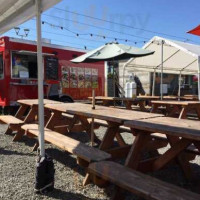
(161, 79)
(154, 83)
(199, 77)
(179, 86)
(40, 79)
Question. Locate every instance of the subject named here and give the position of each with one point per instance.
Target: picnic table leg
(176, 148)
(181, 159)
(8, 131)
(20, 113)
(197, 108)
(53, 120)
(106, 103)
(109, 136)
(138, 145)
(133, 159)
(120, 140)
(106, 143)
(128, 105)
(183, 114)
(29, 118)
(87, 127)
(154, 108)
(172, 111)
(142, 106)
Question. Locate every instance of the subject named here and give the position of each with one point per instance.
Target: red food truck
(18, 72)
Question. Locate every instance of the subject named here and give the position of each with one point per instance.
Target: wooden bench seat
(138, 183)
(82, 151)
(14, 124)
(10, 120)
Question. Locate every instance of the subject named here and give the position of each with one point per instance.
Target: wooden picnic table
(26, 113)
(181, 133)
(184, 98)
(180, 107)
(174, 129)
(113, 116)
(128, 102)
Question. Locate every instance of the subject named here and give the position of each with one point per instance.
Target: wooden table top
(177, 127)
(65, 106)
(113, 98)
(31, 102)
(101, 112)
(181, 103)
(156, 97)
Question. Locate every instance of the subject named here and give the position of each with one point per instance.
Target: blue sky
(171, 17)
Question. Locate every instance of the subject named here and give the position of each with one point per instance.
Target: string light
(90, 34)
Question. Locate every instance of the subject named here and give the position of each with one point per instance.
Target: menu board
(81, 77)
(65, 77)
(88, 78)
(51, 68)
(73, 77)
(94, 78)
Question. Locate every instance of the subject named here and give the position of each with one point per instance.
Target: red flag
(195, 31)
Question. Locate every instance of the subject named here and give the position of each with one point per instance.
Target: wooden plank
(31, 102)
(140, 184)
(181, 103)
(73, 146)
(10, 120)
(171, 126)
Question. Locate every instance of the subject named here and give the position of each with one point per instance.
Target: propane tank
(127, 89)
(133, 89)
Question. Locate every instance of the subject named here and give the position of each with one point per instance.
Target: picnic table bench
(138, 183)
(173, 107)
(22, 116)
(81, 150)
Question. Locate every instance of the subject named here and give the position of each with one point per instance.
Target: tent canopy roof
(16, 12)
(178, 57)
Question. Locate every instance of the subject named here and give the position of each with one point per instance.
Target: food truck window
(1, 66)
(24, 66)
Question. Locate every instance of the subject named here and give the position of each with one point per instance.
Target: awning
(178, 57)
(16, 12)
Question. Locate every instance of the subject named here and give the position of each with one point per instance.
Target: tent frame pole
(40, 78)
(199, 77)
(154, 83)
(179, 86)
(161, 80)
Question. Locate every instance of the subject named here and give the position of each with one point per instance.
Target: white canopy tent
(14, 13)
(170, 56)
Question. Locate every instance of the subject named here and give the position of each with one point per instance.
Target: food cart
(18, 72)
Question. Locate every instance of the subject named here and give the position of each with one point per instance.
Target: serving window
(1, 66)
(24, 66)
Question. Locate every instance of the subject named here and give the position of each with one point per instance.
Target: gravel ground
(17, 168)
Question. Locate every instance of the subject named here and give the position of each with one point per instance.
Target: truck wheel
(66, 99)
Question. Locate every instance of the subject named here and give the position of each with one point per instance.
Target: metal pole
(154, 83)
(179, 86)
(161, 89)
(40, 79)
(199, 78)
